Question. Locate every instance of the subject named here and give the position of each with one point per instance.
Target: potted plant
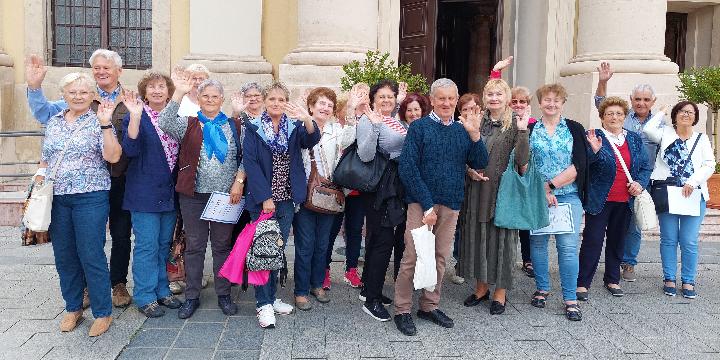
(702, 86)
(378, 66)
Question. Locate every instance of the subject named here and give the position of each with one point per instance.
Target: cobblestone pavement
(645, 324)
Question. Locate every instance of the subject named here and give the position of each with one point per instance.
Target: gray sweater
(370, 135)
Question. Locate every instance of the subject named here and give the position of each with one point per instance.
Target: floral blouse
(83, 168)
(553, 154)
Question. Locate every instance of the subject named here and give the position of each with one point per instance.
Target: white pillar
(225, 36)
(331, 33)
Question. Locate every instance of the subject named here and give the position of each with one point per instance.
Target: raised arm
(604, 74)
(41, 108)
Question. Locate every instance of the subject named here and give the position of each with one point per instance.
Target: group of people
(136, 158)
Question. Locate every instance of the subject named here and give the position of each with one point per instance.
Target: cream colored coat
(333, 140)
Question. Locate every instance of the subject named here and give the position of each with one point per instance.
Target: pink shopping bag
(234, 266)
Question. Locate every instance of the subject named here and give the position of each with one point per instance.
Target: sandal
(572, 312)
(538, 299)
(528, 269)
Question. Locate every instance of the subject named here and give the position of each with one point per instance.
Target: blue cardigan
(602, 169)
(257, 160)
(150, 185)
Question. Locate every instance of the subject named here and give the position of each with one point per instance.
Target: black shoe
(170, 302)
(473, 300)
(538, 299)
(188, 308)
(385, 300)
(572, 312)
(227, 306)
(614, 291)
(152, 310)
(582, 295)
(405, 324)
(527, 268)
(436, 316)
(376, 310)
(496, 308)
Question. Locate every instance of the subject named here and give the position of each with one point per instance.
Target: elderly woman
(609, 195)
(150, 192)
(209, 160)
(77, 145)
(190, 104)
(560, 153)
(413, 107)
(686, 157)
(311, 228)
(277, 180)
(385, 223)
(488, 252)
(247, 104)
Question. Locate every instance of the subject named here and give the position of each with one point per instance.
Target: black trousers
(525, 246)
(380, 241)
(610, 225)
(120, 229)
(239, 226)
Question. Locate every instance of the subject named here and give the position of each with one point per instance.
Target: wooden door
(418, 19)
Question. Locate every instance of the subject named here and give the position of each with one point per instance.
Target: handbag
(658, 188)
(266, 251)
(644, 210)
(234, 267)
(27, 236)
(521, 202)
(322, 195)
(355, 174)
(175, 266)
(39, 205)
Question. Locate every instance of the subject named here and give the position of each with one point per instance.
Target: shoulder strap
(689, 157)
(622, 161)
(55, 168)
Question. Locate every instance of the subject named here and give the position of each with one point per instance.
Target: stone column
(225, 36)
(630, 34)
(331, 33)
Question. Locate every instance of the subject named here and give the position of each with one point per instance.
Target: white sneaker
(176, 287)
(204, 282)
(266, 316)
(282, 308)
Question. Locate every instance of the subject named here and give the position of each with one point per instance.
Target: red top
(619, 190)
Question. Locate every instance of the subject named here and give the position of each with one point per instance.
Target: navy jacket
(602, 169)
(150, 185)
(257, 160)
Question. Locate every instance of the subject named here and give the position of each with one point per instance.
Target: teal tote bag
(521, 202)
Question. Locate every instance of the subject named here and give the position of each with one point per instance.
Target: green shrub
(702, 86)
(378, 66)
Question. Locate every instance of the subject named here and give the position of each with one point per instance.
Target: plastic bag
(425, 270)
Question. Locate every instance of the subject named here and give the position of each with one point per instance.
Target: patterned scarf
(213, 137)
(170, 145)
(112, 96)
(278, 142)
(677, 156)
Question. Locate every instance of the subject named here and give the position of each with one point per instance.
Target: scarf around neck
(278, 142)
(170, 145)
(213, 137)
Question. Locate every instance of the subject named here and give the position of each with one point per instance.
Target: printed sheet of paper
(219, 209)
(561, 221)
(680, 205)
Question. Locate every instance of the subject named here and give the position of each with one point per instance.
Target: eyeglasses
(385, 97)
(686, 112)
(616, 114)
(73, 94)
(518, 101)
(210, 98)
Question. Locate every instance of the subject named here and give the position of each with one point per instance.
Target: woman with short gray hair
(189, 104)
(247, 103)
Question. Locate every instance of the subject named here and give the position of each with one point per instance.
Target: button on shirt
(553, 154)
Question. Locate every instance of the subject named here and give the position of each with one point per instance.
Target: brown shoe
(320, 295)
(100, 326)
(70, 321)
(628, 272)
(86, 299)
(120, 296)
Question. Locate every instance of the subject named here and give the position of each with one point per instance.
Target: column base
(579, 66)
(298, 78)
(232, 71)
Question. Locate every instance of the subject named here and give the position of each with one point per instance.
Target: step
(11, 204)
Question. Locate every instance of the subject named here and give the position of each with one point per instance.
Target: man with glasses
(642, 99)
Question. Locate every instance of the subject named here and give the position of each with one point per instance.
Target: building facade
(304, 43)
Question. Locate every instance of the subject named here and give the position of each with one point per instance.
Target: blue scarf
(278, 142)
(213, 136)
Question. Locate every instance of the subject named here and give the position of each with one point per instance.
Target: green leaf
(378, 66)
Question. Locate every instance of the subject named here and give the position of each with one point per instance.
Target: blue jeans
(567, 248)
(284, 212)
(632, 243)
(153, 234)
(682, 230)
(312, 232)
(78, 236)
(354, 219)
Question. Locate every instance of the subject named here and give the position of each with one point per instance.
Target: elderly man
(106, 69)
(432, 168)
(642, 99)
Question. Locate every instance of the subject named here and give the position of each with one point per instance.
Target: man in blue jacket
(432, 167)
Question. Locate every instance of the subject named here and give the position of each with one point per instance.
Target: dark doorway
(675, 32)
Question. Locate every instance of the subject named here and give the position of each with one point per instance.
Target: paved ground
(643, 324)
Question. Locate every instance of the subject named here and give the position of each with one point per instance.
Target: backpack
(266, 251)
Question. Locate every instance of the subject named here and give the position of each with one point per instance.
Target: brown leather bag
(323, 196)
(176, 261)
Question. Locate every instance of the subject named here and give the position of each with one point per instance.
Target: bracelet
(105, 127)
(241, 181)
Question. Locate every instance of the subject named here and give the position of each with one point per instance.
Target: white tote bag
(644, 207)
(425, 270)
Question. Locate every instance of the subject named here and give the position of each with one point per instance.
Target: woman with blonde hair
(488, 252)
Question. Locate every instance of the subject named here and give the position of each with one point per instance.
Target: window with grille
(79, 27)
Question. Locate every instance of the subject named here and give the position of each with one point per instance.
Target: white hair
(249, 86)
(198, 68)
(77, 77)
(443, 83)
(108, 54)
(643, 88)
(211, 83)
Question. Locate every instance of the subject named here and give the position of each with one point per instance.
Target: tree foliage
(378, 66)
(702, 85)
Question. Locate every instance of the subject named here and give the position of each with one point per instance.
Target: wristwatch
(551, 185)
(108, 126)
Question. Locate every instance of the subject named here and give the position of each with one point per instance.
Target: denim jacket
(602, 168)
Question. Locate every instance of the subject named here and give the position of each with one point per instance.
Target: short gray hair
(443, 83)
(276, 86)
(198, 68)
(77, 77)
(643, 88)
(211, 83)
(108, 54)
(249, 86)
